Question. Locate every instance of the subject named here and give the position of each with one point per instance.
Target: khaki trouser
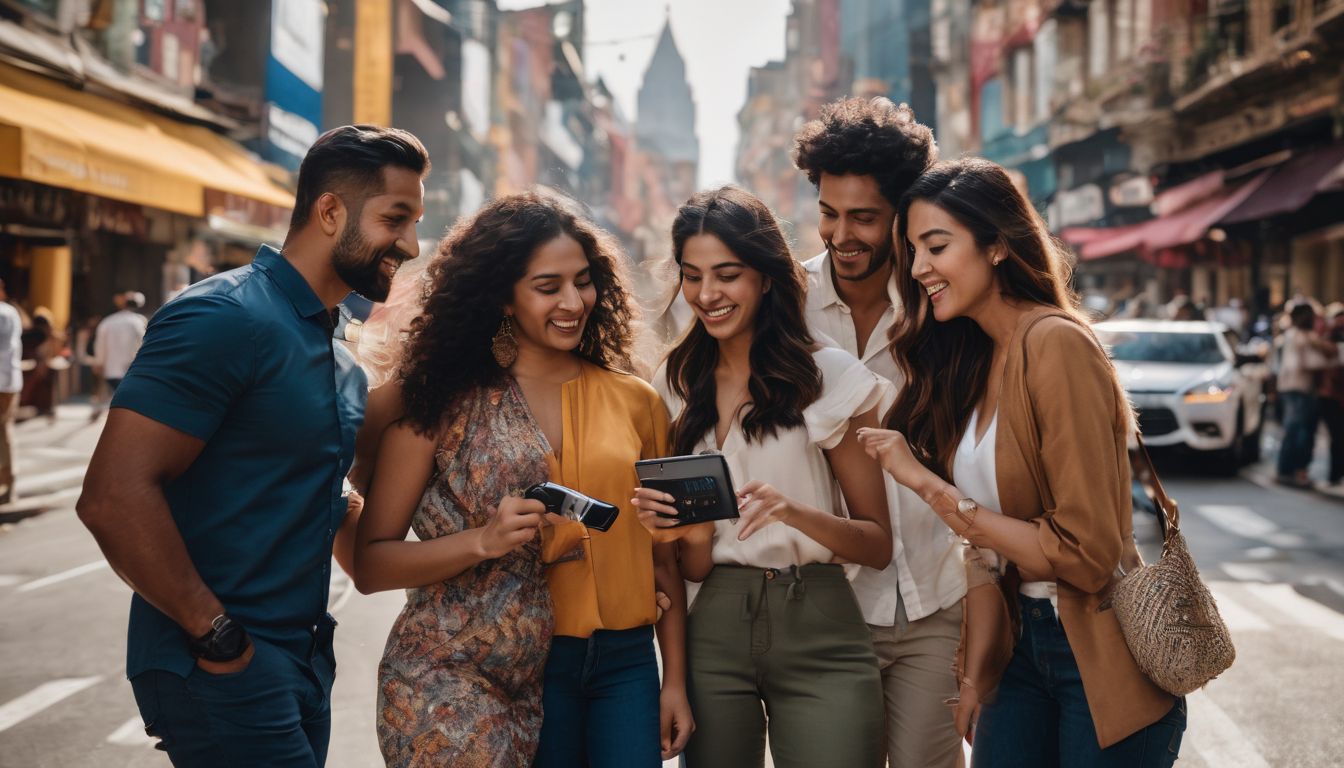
(9, 406)
(916, 662)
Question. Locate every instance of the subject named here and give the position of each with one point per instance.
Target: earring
(996, 261)
(504, 347)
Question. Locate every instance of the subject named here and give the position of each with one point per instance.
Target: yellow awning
(55, 135)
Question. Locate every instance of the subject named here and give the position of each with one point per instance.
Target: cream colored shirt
(926, 570)
(792, 460)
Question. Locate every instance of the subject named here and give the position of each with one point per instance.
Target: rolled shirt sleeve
(1077, 413)
(197, 358)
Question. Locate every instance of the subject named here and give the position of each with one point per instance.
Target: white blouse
(792, 460)
(975, 473)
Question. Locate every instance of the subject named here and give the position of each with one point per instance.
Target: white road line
(10, 579)
(52, 479)
(41, 697)
(131, 734)
(1216, 738)
(1237, 520)
(47, 581)
(1302, 610)
(1238, 617)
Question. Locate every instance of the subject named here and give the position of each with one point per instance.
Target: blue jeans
(1299, 431)
(600, 702)
(276, 712)
(1040, 718)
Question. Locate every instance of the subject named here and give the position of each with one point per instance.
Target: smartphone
(568, 502)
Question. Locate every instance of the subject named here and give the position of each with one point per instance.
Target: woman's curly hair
(867, 137)
(471, 280)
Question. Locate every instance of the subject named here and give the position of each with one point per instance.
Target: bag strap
(1170, 511)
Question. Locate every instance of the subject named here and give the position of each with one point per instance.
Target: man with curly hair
(862, 154)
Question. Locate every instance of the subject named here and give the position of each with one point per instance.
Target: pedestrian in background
(215, 488)
(861, 155)
(42, 344)
(11, 384)
(776, 642)
(1303, 357)
(1013, 427)
(1332, 396)
(117, 339)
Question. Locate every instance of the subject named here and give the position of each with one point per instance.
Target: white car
(1191, 386)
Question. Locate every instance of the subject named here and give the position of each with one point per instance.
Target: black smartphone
(700, 485)
(595, 514)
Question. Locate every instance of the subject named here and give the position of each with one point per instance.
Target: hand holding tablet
(684, 490)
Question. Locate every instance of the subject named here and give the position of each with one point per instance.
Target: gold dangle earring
(504, 346)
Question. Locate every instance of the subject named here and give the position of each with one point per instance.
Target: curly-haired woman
(1013, 427)
(512, 375)
(776, 640)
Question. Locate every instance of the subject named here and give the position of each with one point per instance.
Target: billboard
(294, 80)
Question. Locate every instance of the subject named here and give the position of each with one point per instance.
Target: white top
(975, 473)
(117, 340)
(926, 570)
(792, 460)
(11, 349)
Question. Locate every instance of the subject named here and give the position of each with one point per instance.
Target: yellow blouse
(604, 580)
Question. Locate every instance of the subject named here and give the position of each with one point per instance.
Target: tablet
(700, 485)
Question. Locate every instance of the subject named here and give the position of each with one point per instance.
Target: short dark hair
(866, 137)
(349, 162)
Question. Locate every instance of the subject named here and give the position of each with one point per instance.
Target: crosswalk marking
(1238, 617)
(1237, 520)
(1303, 610)
(41, 697)
(1216, 738)
(131, 734)
(52, 479)
(62, 576)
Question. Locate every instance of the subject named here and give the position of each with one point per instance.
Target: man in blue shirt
(216, 488)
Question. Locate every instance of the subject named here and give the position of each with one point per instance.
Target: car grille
(1157, 421)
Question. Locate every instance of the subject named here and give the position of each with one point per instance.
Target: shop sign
(23, 202)
(1078, 206)
(103, 215)
(245, 210)
(1132, 192)
(294, 80)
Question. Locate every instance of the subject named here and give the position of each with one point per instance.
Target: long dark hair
(471, 280)
(784, 377)
(946, 364)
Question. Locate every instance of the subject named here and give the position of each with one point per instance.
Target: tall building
(665, 128)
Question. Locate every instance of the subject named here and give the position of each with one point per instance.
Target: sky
(721, 40)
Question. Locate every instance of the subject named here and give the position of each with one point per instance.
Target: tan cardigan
(1062, 465)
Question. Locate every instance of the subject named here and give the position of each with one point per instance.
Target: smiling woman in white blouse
(775, 622)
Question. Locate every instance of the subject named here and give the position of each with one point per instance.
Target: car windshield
(1162, 347)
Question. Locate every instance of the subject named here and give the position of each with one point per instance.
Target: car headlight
(1213, 392)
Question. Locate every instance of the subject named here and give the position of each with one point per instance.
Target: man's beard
(360, 266)
(880, 258)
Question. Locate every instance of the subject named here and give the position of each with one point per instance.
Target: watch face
(966, 505)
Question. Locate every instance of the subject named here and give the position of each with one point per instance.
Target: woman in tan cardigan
(1020, 427)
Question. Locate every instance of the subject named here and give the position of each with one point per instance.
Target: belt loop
(797, 587)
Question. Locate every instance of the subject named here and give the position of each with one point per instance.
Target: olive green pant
(787, 648)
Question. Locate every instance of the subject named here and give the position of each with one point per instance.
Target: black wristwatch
(226, 641)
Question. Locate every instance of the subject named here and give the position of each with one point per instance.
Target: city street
(1274, 557)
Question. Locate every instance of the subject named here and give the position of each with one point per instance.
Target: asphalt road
(1274, 558)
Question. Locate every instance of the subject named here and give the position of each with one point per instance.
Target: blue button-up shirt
(245, 362)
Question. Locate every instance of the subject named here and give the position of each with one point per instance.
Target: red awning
(1291, 185)
(1181, 227)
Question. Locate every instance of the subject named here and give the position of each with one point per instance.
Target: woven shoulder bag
(1170, 620)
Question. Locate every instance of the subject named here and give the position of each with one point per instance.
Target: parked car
(1193, 386)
